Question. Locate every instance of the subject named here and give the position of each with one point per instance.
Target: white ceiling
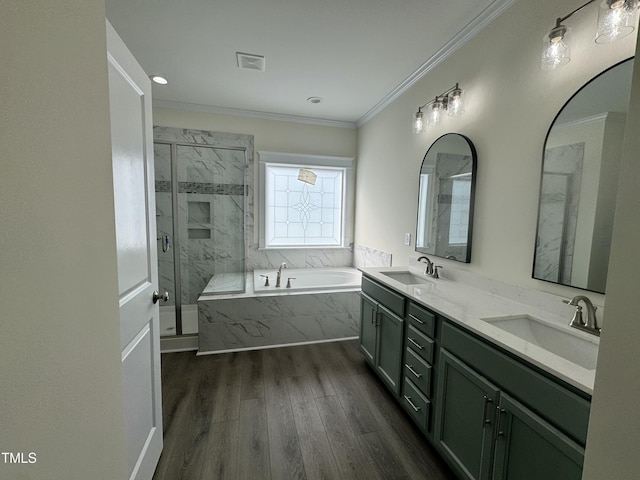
(355, 54)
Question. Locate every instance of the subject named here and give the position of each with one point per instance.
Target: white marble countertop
(467, 305)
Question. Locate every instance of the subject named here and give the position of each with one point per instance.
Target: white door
(133, 180)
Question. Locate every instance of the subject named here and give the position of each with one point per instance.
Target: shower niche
(201, 185)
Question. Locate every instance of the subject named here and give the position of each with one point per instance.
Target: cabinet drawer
(557, 403)
(390, 299)
(416, 404)
(418, 371)
(420, 343)
(422, 319)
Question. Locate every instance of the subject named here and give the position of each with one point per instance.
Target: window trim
(308, 161)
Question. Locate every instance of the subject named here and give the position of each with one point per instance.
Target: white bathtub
(304, 279)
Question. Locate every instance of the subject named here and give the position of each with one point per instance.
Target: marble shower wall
(558, 215)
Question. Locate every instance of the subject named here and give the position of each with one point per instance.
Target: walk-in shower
(201, 183)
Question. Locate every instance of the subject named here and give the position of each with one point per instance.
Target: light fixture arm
(450, 100)
(562, 19)
(443, 97)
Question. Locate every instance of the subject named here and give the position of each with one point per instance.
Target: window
(299, 214)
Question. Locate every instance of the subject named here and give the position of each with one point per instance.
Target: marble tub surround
(467, 298)
(250, 320)
(365, 257)
(261, 258)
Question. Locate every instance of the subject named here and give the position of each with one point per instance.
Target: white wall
(614, 426)
(60, 340)
(510, 104)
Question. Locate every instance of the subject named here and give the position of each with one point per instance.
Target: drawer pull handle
(420, 347)
(416, 319)
(498, 431)
(485, 420)
(408, 399)
(410, 368)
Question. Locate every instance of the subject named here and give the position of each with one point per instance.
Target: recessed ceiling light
(314, 99)
(159, 79)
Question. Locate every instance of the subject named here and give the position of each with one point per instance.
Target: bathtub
(322, 304)
(305, 279)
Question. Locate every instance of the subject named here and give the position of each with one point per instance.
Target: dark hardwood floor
(306, 412)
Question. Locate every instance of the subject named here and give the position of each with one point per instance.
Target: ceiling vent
(250, 62)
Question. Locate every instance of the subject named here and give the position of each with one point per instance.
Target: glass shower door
(200, 207)
(164, 227)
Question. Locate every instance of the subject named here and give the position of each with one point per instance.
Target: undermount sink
(406, 278)
(550, 337)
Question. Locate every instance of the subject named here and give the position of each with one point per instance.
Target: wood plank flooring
(306, 412)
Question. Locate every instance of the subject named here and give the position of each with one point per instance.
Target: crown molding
(193, 107)
(463, 36)
(600, 117)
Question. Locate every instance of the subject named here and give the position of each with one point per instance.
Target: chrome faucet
(591, 325)
(284, 265)
(431, 270)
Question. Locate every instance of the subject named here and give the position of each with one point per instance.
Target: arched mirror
(445, 198)
(580, 167)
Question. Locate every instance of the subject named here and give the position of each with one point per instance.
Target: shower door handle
(166, 242)
(157, 296)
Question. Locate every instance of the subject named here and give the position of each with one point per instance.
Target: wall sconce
(451, 101)
(616, 20)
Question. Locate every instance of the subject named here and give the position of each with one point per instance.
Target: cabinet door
(389, 354)
(368, 327)
(465, 413)
(527, 447)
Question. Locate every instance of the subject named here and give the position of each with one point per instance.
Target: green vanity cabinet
(488, 412)
(528, 447)
(382, 330)
(417, 367)
(465, 417)
(368, 328)
(486, 433)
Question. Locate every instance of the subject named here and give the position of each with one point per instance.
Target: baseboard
(264, 347)
(178, 343)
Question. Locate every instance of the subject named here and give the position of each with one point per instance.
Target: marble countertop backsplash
(466, 298)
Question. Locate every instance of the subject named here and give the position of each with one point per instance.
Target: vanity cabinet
(417, 368)
(382, 330)
(490, 414)
(485, 432)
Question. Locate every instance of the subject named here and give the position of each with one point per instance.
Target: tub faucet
(591, 325)
(284, 265)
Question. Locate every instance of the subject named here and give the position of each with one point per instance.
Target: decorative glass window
(297, 212)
